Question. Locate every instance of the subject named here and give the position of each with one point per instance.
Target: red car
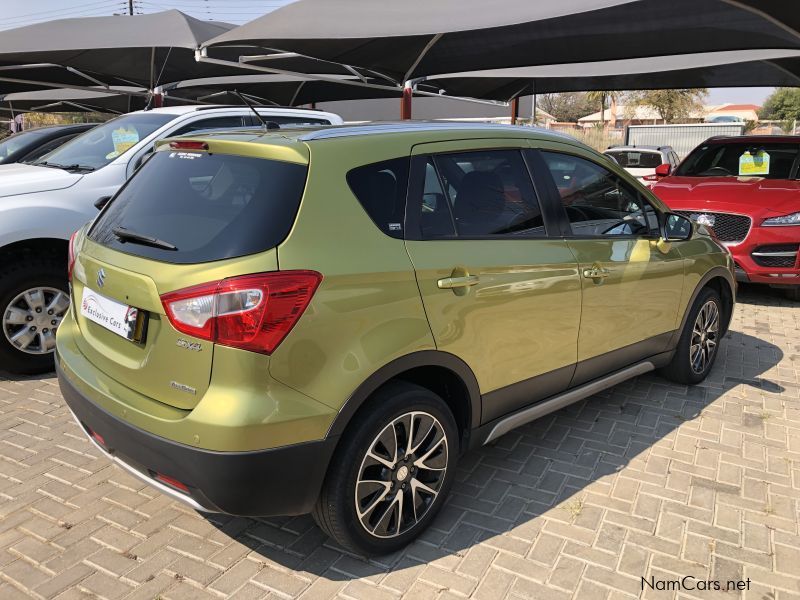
(746, 189)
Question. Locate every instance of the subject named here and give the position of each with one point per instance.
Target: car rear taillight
(251, 312)
(71, 255)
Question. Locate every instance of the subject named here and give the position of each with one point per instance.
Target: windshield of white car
(99, 146)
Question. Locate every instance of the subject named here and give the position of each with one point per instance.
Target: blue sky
(14, 13)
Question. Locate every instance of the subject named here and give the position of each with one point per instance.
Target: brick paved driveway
(648, 479)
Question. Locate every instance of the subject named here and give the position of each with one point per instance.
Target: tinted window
(210, 124)
(210, 206)
(597, 201)
(436, 218)
(381, 190)
(299, 120)
(636, 159)
(13, 144)
(489, 193)
(99, 146)
(47, 148)
(726, 160)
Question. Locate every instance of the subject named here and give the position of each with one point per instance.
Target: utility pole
(130, 7)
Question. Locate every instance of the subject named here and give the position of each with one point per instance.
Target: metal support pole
(130, 7)
(533, 103)
(514, 110)
(405, 102)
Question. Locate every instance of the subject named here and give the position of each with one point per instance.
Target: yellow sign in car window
(754, 164)
(123, 139)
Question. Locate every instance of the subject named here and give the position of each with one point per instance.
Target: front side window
(597, 202)
(488, 193)
(99, 146)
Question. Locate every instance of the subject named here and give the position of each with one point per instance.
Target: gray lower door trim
(560, 401)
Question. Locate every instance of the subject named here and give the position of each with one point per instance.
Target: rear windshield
(202, 207)
(771, 161)
(636, 159)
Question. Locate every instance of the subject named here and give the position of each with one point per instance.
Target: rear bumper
(278, 481)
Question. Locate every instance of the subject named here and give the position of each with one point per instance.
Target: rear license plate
(126, 321)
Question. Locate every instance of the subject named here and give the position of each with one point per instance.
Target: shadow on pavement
(545, 466)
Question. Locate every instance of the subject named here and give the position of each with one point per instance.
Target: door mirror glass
(676, 228)
(663, 170)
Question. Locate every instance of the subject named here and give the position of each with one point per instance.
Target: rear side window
(208, 206)
(381, 190)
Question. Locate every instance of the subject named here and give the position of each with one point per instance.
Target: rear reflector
(188, 145)
(251, 312)
(96, 437)
(171, 482)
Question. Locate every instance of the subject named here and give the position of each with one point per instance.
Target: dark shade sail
(754, 68)
(143, 49)
(282, 90)
(55, 101)
(28, 78)
(415, 38)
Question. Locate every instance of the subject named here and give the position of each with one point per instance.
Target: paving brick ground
(647, 480)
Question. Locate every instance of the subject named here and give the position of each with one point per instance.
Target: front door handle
(596, 273)
(450, 283)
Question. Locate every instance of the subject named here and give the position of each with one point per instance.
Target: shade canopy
(717, 69)
(55, 101)
(416, 38)
(283, 90)
(31, 77)
(144, 50)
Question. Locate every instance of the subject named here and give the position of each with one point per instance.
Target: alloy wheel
(401, 474)
(31, 318)
(705, 336)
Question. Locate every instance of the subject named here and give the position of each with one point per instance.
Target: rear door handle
(449, 283)
(596, 273)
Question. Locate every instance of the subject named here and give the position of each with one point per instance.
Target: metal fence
(682, 138)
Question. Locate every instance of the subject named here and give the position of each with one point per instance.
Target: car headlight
(792, 219)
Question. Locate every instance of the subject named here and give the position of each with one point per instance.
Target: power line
(96, 5)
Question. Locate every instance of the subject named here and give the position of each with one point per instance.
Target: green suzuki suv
(324, 320)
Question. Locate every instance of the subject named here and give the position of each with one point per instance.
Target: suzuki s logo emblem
(707, 220)
(101, 278)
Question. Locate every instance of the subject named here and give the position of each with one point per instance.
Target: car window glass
(436, 219)
(490, 193)
(206, 124)
(99, 146)
(381, 189)
(16, 142)
(597, 201)
(636, 159)
(46, 148)
(724, 160)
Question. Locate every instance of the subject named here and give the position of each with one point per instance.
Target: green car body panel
(533, 316)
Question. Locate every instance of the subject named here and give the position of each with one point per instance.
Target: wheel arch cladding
(720, 280)
(35, 248)
(441, 372)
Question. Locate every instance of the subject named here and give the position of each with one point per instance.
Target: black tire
(681, 368)
(23, 274)
(336, 512)
(793, 293)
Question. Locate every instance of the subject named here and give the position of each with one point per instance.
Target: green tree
(671, 105)
(602, 97)
(782, 105)
(567, 106)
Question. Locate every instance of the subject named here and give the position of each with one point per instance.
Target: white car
(642, 161)
(43, 203)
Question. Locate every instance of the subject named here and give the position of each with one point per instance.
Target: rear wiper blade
(126, 235)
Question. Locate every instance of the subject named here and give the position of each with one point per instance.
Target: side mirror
(675, 228)
(143, 159)
(101, 202)
(663, 170)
